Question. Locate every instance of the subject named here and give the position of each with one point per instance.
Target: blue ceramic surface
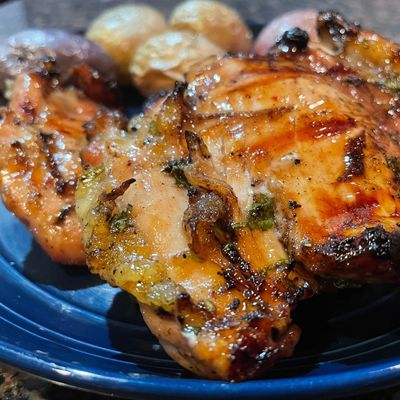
(64, 324)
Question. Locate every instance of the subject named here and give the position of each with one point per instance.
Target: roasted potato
(120, 30)
(218, 22)
(163, 59)
(26, 50)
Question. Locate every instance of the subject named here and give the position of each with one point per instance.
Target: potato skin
(120, 30)
(218, 22)
(163, 59)
(25, 51)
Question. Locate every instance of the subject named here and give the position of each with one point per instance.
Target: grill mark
(339, 214)
(45, 144)
(282, 141)
(354, 158)
(240, 274)
(268, 77)
(270, 113)
(331, 127)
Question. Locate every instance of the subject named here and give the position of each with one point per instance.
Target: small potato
(25, 51)
(163, 59)
(218, 22)
(120, 30)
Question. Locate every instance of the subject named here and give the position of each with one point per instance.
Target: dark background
(382, 15)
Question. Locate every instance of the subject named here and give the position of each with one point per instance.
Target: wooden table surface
(380, 15)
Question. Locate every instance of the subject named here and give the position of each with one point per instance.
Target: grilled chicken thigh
(218, 295)
(220, 204)
(42, 132)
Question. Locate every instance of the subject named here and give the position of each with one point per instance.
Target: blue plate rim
(337, 384)
(357, 381)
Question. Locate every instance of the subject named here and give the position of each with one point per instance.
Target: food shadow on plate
(335, 328)
(345, 327)
(39, 268)
(134, 342)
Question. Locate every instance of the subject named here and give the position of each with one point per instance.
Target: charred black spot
(192, 191)
(354, 80)
(232, 253)
(354, 158)
(255, 182)
(239, 273)
(16, 144)
(46, 137)
(257, 350)
(235, 304)
(46, 145)
(253, 315)
(293, 40)
(184, 296)
(333, 30)
(20, 153)
(64, 213)
(375, 242)
(294, 204)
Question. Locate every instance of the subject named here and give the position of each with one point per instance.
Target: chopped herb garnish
(394, 164)
(277, 265)
(153, 129)
(91, 174)
(261, 213)
(207, 305)
(176, 169)
(390, 81)
(237, 225)
(121, 222)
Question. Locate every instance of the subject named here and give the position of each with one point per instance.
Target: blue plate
(66, 325)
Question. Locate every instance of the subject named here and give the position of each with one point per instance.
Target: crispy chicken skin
(42, 132)
(220, 204)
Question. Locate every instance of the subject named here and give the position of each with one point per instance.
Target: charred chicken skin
(42, 133)
(217, 208)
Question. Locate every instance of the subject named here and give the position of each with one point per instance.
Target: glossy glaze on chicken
(218, 208)
(42, 132)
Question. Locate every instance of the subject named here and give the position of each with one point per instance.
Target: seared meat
(210, 209)
(41, 135)
(162, 223)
